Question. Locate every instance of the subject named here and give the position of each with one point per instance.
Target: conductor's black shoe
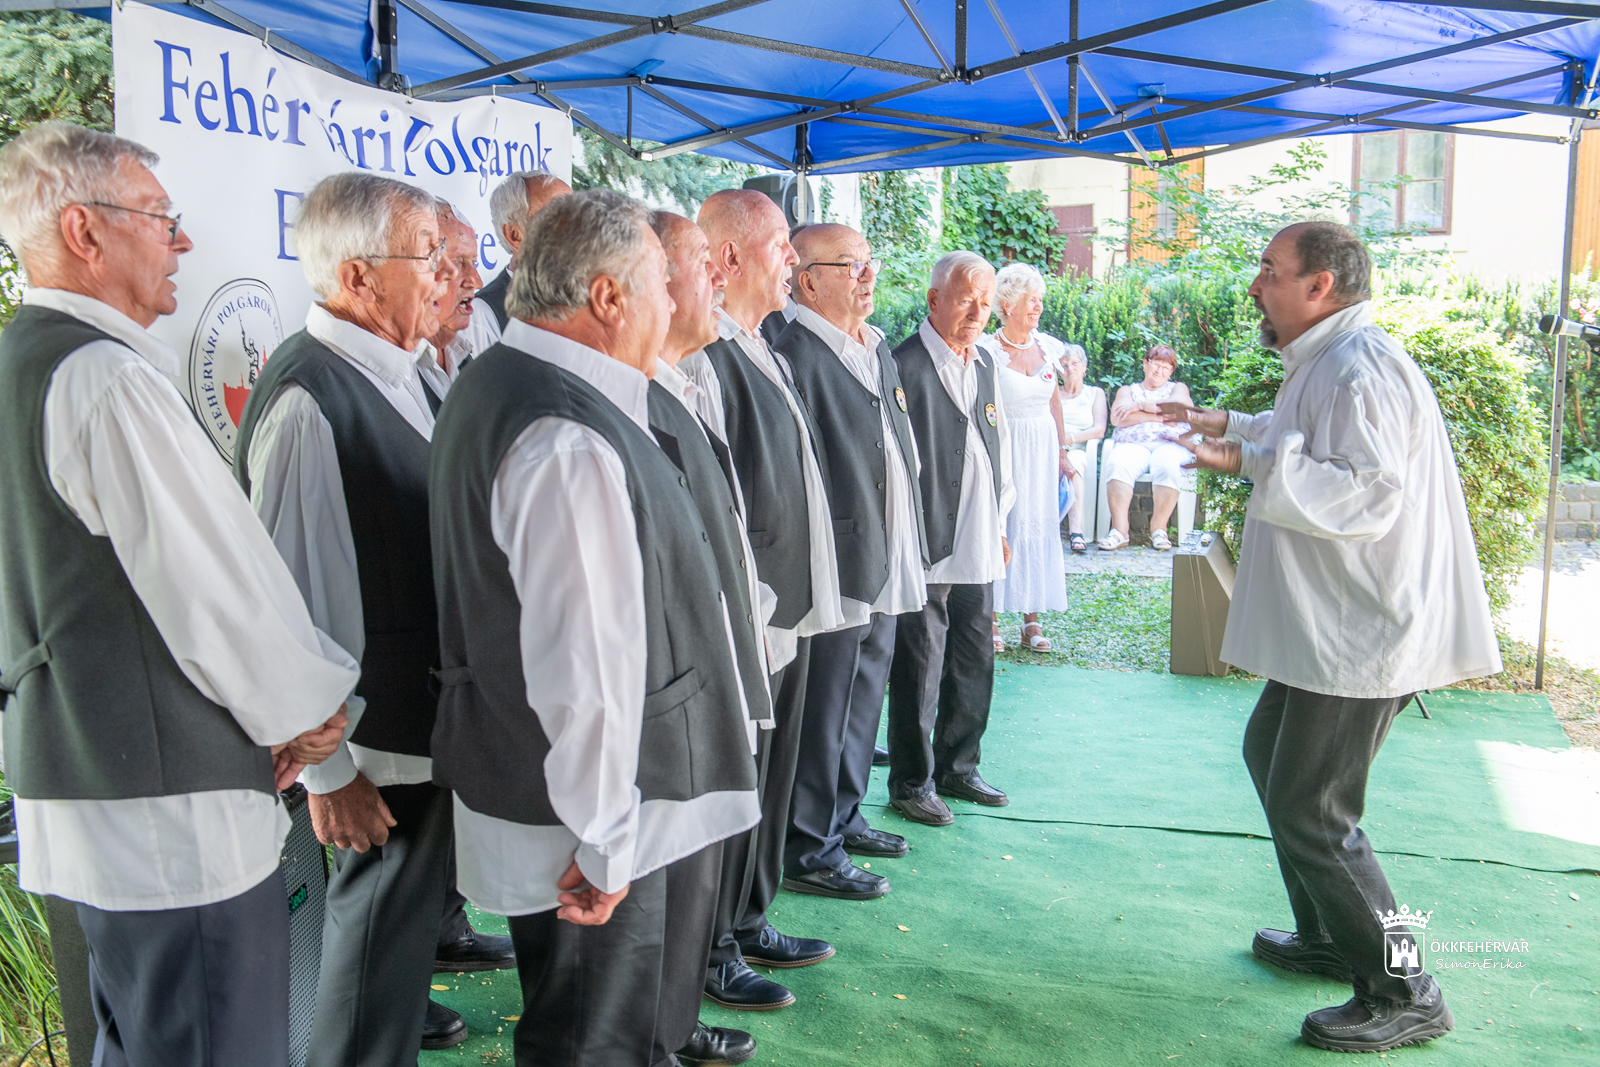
(442, 1028)
(844, 882)
(735, 985)
(973, 788)
(710, 1045)
(474, 951)
(1363, 1024)
(876, 843)
(772, 949)
(1294, 953)
(880, 756)
(924, 808)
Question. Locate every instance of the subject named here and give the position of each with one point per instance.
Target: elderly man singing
(460, 335)
(515, 201)
(333, 450)
(591, 721)
(157, 664)
(1358, 586)
(942, 677)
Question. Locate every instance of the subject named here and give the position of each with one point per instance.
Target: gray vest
(681, 438)
(383, 465)
(96, 708)
(494, 294)
(851, 422)
(767, 455)
(941, 430)
(488, 745)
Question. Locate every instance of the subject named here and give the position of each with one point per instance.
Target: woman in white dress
(1083, 414)
(1029, 373)
(1143, 443)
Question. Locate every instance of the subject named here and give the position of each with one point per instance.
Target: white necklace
(1009, 343)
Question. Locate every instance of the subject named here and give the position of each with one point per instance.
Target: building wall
(1083, 181)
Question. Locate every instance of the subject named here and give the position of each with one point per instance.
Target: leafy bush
(1489, 414)
(983, 214)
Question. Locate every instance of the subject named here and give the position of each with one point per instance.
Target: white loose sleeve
(1346, 481)
(562, 515)
(1249, 428)
(134, 466)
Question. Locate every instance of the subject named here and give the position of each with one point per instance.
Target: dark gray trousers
(1308, 754)
(192, 987)
(379, 937)
(625, 994)
(752, 862)
(844, 701)
(941, 684)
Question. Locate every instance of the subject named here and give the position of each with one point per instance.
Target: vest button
(885, 566)
(955, 485)
(879, 444)
(683, 481)
(874, 403)
(952, 515)
(749, 618)
(880, 485)
(741, 565)
(704, 536)
(947, 548)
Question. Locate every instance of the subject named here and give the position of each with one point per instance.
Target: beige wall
(1082, 181)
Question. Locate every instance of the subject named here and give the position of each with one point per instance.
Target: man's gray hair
(350, 216)
(569, 244)
(1015, 280)
(951, 264)
(1336, 249)
(50, 167)
(508, 204)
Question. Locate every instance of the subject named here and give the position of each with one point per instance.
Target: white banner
(243, 133)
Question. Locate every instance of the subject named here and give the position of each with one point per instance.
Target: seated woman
(1144, 444)
(1083, 413)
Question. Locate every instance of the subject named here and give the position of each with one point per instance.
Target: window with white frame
(1425, 158)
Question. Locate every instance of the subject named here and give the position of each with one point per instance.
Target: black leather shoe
(442, 1028)
(876, 843)
(973, 788)
(1363, 1024)
(1293, 953)
(772, 949)
(710, 1045)
(928, 810)
(844, 882)
(880, 756)
(474, 951)
(735, 985)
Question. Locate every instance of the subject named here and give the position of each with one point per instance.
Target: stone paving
(1574, 594)
(1139, 560)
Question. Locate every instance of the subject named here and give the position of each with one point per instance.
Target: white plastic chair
(1186, 504)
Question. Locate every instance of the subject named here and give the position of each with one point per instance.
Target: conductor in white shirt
(1358, 585)
(162, 679)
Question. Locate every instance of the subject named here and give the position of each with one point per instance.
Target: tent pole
(1072, 74)
(1558, 398)
(387, 32)
(802, 161)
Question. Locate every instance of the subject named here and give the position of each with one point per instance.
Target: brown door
(1076, 221)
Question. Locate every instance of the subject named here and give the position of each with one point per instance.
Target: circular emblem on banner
(988, 413)
(900, 398)
(236, 333)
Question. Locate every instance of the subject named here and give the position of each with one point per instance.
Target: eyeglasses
(433, 259)
(857, 267)
(172, 221)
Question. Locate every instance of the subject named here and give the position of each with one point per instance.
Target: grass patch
(27, 972)
(1113, 622)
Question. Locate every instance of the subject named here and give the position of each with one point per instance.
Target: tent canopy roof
(850, 85)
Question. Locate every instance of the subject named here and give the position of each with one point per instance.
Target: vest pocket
(761, 538)
(844, 527)
(664, 757)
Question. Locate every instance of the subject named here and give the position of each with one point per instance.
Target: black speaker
(784, 190)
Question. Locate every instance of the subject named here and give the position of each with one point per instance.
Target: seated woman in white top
(1144, 444)
(1083, 414)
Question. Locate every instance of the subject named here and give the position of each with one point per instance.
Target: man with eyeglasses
(333, 450)
(160, 676)
(849, 381)
(460, 335)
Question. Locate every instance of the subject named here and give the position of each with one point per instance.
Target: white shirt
(1357, 575)
(976, 556)
(560, 501)
(296, 488)
(485, 328)
(127, 456)
(826, 612)
(906, 588)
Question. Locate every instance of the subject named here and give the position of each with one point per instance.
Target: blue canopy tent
(833, 86)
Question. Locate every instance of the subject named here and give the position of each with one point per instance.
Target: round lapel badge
(988, 413)
(900, 398)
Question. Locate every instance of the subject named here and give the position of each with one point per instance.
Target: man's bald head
(671, 228)
(736, 214)
(749, 239)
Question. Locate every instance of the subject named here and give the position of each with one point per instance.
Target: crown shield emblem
(900, 398)
(988, 413)
(1402, 951)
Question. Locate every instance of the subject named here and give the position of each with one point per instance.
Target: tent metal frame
(1060, 135)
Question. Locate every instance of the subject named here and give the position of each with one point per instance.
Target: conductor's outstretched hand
(585, 906)
(1211, 455)
(1208, 421)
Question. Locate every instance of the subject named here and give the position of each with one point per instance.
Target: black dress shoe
(735, 985)
(876, 843)
(926, 809)
(880, 756)
(772, 949)
(844, 882)
(1363, 1024)
(974, 789)
(1293, 953)
(474, 951)
(711, 1045)
(442, 1028)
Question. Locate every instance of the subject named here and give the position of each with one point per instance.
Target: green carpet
(1122, 882)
